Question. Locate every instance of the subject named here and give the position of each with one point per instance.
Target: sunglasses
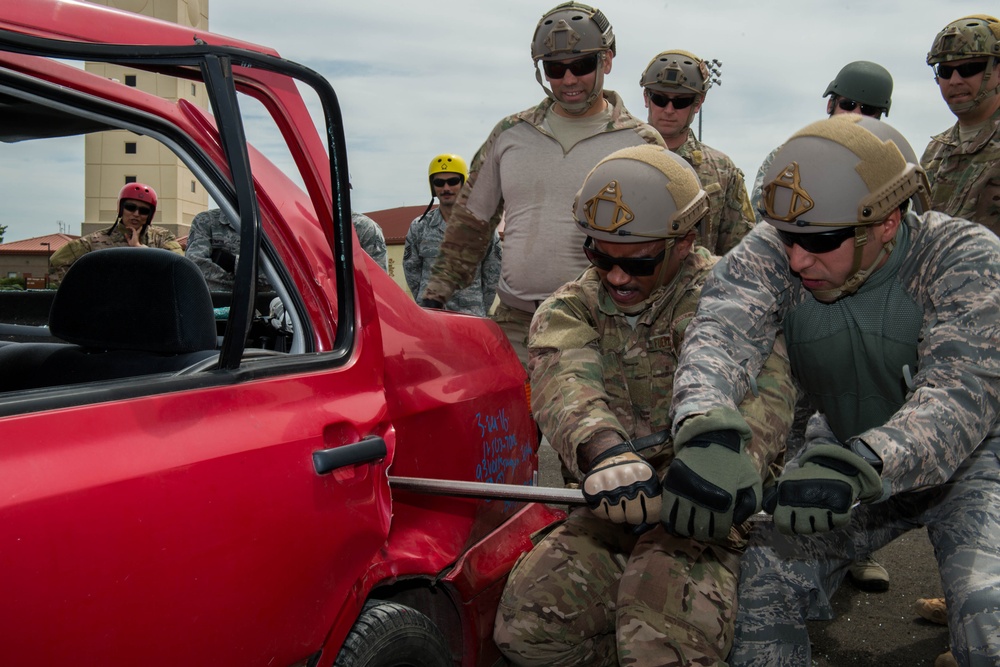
(866, 109)
(441, 182)
(135, 208)
(679, 102)
(965, 70)
(817, 244)
(555, 69)
(637, 267)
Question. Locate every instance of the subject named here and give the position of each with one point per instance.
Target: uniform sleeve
(737, 216)
(770, 411)
(371, 239)
(471, 224)
(568, 396)
(413, 263)
(956, 390)
(490, 271)
(63, 258)
(734, 330)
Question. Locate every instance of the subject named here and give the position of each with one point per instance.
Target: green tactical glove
(710, 485)
(819, 495)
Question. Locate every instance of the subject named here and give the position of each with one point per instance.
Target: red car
(191, 477)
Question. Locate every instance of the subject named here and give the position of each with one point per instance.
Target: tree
(3, 230)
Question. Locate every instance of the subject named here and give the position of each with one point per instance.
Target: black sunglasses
(441, 182)
(866, 109)
(817, 244)
(637, 267)
(965, 70)
(662, 100)
(135, 208)
(556, 69)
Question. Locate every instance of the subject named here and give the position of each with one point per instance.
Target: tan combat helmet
(675, 72)
(840, 172)
(639, 194)
(969, 37)
(568, 31)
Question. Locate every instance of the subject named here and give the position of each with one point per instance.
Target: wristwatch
(864, 450)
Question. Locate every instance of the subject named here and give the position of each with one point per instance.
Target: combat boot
(932, 609)
(946, 659)
(868, 575)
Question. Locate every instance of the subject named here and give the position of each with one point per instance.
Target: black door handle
(371, 448)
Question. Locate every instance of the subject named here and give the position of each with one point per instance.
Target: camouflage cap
(968, 37)
(640, 193)
(672, 70)
(569, 30)
(843, 171)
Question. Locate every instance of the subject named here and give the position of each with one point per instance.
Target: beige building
(119, 157)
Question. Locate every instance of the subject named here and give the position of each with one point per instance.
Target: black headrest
(145, 299)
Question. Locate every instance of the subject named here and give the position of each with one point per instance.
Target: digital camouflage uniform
(423, 242)
(113, 237)
(730, 216)
(592, 585)
(212, 234)
(371, 238)
(910, 364)
(965, 178)
(541, 241)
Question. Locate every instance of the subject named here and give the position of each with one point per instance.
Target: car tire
(388, 634)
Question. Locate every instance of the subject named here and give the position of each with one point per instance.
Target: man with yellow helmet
(610, 585)
(891, 317)
(445, 175)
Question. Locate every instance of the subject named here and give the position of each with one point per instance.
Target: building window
(194, 90)
(130, 148)
(130, 80)
(193, 186)
(130, 179)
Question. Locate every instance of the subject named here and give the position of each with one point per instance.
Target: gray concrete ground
(870, 628)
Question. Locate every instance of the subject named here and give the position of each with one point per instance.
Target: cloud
(418, 79)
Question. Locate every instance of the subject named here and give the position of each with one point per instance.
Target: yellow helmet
(447, 163)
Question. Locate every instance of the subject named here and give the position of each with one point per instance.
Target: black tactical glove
(710, 485)
(431, 303)
(224, 259)
(819, 495)
(622, 487)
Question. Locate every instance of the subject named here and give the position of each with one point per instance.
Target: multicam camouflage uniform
(730, 216)
(523, 172)
(423, 242)
(592, 592)
(965, 176)
(910, 364)
(371, 238)
(113, 237)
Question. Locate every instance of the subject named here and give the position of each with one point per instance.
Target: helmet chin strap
(858, 276)
(576, 108)
(984, 92)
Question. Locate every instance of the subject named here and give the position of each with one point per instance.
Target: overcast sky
(416, 79)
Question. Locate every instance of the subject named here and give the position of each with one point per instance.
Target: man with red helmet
(136, 208)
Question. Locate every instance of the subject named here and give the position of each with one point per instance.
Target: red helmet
(140, 192)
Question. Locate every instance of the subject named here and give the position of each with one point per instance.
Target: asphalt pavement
(870, 628)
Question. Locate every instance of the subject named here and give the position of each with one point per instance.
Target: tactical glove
(818, 495)
(710, 485)
(432, 303)
(224, 259)
(622, 487)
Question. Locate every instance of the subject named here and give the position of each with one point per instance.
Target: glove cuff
(716, 419)
(869, 481)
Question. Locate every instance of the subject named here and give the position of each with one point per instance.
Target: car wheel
(388, 634)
